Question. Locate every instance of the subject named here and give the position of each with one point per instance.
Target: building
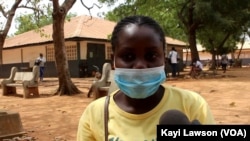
(87, 45)
(205, 56)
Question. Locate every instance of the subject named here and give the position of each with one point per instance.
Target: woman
(133, 111)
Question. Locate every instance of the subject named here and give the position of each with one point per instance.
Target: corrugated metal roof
(80, 26)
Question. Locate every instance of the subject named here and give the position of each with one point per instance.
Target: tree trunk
(242, 44)
(2, 39)
(3, 34)
(66, 86)
(187, 18)
(214, 62)
(187, 56)
(192, 44)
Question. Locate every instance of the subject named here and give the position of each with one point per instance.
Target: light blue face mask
(139, 83)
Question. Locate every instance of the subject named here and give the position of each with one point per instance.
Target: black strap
(106, 117)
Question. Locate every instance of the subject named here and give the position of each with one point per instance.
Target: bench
(27, 80)
(102, 86)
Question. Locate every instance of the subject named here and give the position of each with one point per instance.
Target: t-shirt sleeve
(192, 104)
(84, 132)
(91, 123)
(200, 110)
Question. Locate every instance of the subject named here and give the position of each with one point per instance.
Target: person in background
(96, 73)
(40, 61)
(231, 61)
(133, 111)
(97, 76)
(196, 67)
(224, 62)
(173, 56)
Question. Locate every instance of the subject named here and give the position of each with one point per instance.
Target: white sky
(77, 8)
(80, 10)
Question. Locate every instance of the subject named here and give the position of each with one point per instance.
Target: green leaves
(33, 21)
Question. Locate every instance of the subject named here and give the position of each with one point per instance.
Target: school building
(206, 56)
(87, 44)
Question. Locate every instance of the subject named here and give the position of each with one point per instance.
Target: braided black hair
(140, 21)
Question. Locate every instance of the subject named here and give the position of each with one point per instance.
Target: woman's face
(138, 48)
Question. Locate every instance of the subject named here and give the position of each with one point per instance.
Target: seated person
(196, 67)
(96, 73)
(97, 76)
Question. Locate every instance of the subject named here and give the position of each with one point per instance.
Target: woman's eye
(128, 57)
(151, 56)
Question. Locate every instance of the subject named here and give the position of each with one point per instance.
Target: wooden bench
(27, 80)
(102, 87)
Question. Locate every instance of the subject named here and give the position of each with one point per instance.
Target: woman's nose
(140, 64)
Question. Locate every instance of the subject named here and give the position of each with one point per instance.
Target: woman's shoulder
(182, 93)
(97, 104)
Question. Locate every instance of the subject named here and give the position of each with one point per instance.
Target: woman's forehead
(134, 32)
(131, 29)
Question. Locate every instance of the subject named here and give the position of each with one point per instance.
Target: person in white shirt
(40, 61)
(173, 56)
(196, 67)
(224, 62)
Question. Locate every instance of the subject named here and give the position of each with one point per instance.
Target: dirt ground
(55, 118)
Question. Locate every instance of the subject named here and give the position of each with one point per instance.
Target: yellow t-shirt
(124, 126)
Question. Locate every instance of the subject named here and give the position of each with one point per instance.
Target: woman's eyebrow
(153, 47)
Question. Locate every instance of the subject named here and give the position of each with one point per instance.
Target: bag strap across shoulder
(106, 117)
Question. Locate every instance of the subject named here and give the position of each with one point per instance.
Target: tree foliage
(223, 28)
(185, 19)
(58, 15)
(153, 8)
(34, 21)
(8, 12)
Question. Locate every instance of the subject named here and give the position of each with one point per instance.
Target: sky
(80, 10)
(77, 8)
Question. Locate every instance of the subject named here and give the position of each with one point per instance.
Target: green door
(95, 56)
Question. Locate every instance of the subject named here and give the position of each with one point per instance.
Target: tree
(66, 86)
(222, 28)
(217, 43)
(9, 14)
(180, 17)
(158, 9)
(59, 13)
(33, 21)
(29, 22)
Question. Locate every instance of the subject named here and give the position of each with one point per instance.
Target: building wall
(12, 56)
(22, 55)
(205, 56)
(83, 48)
(24, 58)
(31, 53)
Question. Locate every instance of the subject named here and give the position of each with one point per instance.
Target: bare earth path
(55, 118)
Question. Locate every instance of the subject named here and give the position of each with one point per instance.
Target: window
(70, 50)
(109, 52)
(50, 53)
